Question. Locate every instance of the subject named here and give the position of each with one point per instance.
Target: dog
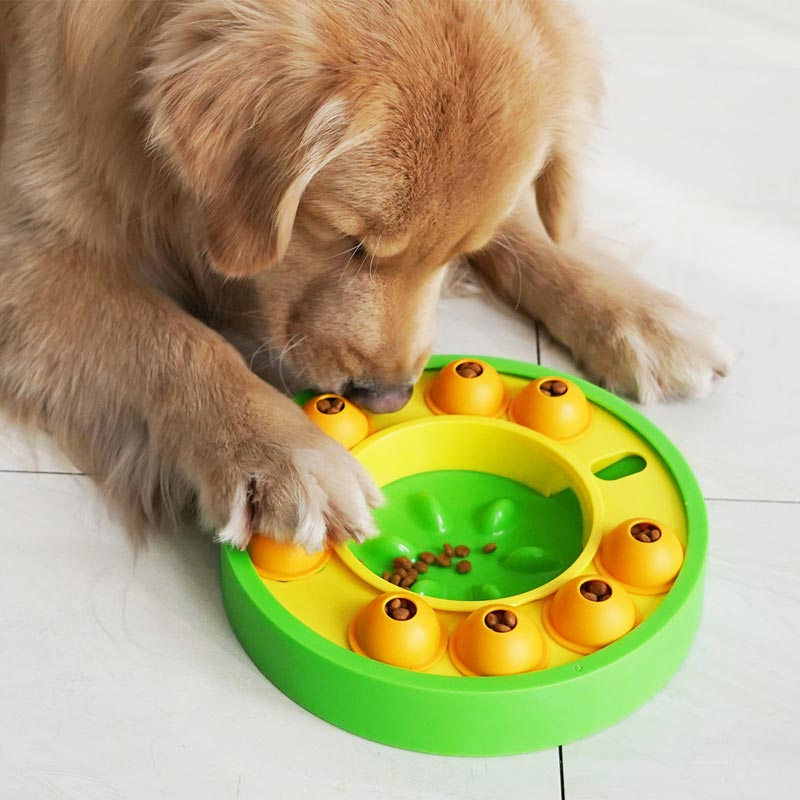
(194, 192)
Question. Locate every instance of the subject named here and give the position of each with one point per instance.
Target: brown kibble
(501, 620)
(461, 550)
(401, 562)
(463, 567)
(443, 560)
(408, 582)
(330, 405)
(546, 388)
(490, 547)
(596, 591)
(469, 369)
(426, 557)
(448, 549)
(655, 533)
(400, 608)
(553, 388)
(597, 587)
(645, 532)
(412, 573)
(395, 579)
(421, 567)
(386, 575)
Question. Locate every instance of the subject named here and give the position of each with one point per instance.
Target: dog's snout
(379, 399)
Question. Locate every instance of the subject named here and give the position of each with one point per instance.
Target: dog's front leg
(147, 398)
(626, 334)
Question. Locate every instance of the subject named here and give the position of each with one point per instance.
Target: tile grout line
(40, 472)
(538, 344)
(561, 770)
(748, 500)
(6, 471)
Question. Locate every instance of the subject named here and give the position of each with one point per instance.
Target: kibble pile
(501, 621)
(405, 572)
(553, 388)
(645, 532)
(469, 369)
(401, 609)
(596, 591)
(330, 405)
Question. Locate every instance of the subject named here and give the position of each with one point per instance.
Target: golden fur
(194, 192)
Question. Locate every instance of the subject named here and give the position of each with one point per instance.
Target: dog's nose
(379, 399)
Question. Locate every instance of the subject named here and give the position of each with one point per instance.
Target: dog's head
(342, 154)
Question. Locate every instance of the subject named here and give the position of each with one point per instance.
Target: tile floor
(120, 678)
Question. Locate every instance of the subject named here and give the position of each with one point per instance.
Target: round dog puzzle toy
(538, 574)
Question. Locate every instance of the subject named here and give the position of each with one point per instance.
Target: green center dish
(537, 537)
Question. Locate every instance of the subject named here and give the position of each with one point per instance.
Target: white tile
(120, 678)
(735, 440)
(477, 326)
(738, 440)
(726, 725)
(29, 450)
(695, 175)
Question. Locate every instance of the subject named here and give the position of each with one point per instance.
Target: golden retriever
(191, 191)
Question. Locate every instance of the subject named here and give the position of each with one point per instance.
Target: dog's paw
(656, 349)
(301, 487)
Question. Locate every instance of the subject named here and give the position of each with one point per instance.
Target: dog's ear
(249, 212)
(580, 94)
(246, 127)
(557, 196)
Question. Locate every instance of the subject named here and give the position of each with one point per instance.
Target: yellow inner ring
(482, 445)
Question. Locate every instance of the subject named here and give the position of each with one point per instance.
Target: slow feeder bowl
(339, 418)
(416, 642)
(642, 554)
(283, 561)
(292, 627)
(532, 559)
(583, 621)
(478, 647)
(467, 386)
(552, 406)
